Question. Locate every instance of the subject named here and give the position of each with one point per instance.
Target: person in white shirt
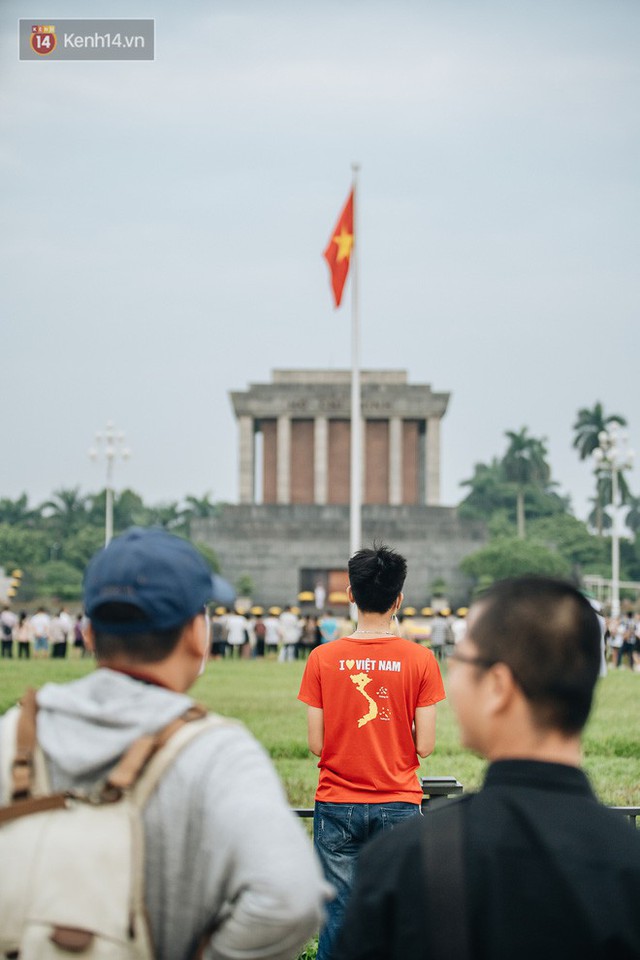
(40, 625)
(289, 634)
(272, 632)
(8, 622)
(58, 636)
(236, 633)
(459, 625)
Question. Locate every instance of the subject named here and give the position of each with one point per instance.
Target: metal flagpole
(355, 520)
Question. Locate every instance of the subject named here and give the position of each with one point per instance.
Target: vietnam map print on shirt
(376, 698)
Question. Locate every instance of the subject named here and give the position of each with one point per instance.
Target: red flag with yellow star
(338, 251)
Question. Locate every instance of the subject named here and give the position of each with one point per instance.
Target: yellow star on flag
(344, 241)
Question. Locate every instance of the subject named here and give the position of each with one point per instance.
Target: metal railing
(434, 787)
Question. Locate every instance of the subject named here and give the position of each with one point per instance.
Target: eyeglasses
(474, 661)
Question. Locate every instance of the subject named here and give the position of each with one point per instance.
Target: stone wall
(272, 543)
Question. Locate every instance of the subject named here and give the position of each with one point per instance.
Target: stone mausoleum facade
(290, 530)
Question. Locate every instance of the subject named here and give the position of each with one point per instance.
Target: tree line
(532, 527)
(52, 542)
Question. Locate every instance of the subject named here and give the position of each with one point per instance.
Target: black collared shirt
(551, 874)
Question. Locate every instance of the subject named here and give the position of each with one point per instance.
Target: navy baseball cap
(161, 575)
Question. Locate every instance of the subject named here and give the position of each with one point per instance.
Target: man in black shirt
(543, 870)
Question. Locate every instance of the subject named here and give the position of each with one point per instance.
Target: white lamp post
(613, 456)
(110, 444)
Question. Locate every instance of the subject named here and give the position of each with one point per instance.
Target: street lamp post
(110, 444)
(613, 456)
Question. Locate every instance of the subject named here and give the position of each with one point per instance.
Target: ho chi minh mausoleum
(290, 530)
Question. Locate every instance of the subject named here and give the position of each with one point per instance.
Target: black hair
(548, 634)
(376, 577)
(143, 647)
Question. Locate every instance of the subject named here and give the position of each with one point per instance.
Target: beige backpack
(71, 864)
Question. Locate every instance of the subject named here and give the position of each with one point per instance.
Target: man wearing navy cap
(217, 857)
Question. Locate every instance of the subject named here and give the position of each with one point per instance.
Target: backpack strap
(443, 866)
(22, 766)
(164, 757)
(130, 766)
(24, 779)
(24, 762)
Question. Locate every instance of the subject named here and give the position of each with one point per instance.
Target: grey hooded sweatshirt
(221, 843)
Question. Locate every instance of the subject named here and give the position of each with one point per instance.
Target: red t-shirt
(369, 690)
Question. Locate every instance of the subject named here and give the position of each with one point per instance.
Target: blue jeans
(339, 832)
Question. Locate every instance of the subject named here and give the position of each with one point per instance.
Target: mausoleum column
(247, 470)
(433, 462)
(395, 461)
(283, 465)
(363, 460)
(320, 460)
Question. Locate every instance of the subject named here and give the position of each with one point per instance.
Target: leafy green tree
(525, 465)
(245, 585)
(490, 498)
(18, 512)
(487, 491)
(571, 538)
(66, 512)
(48, 542)
(78, 549)
(512, 557)
(438, 587)
(128, 510)
(22, 547)
(58, 580)
(166, 515)
(632, 519)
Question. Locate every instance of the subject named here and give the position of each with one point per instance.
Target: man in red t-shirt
(371, 701)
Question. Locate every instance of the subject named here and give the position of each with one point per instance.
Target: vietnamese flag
(338, 251)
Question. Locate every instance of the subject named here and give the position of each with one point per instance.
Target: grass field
(262, 693)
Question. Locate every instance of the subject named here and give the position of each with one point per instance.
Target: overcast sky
(163, 223)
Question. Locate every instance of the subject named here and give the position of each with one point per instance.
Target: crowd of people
(280, 632)
(286, 634)
(622, 641)
(42, 634)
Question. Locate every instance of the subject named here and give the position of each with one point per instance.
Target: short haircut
(376, 577)
(549, 636)
(138, 647)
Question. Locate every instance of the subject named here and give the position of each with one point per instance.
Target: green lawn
(263, 695)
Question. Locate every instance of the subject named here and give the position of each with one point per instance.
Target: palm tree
(525, 465)
(16, 512)
(632, 519)
(489, 493)
(598, 519)
(588, 427)
(197, 508)
(67, 510)
(166, 515)
(200, 507)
